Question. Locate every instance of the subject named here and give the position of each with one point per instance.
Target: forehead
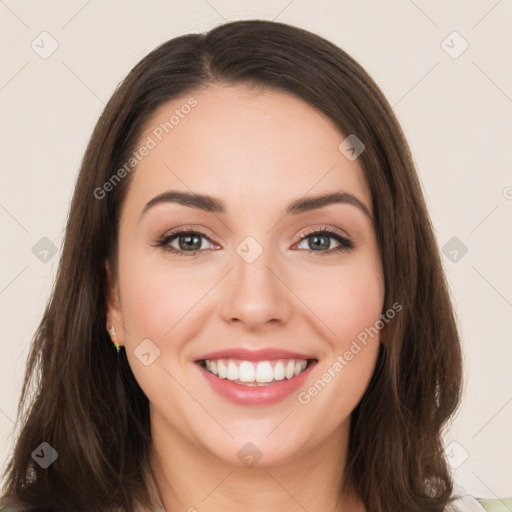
(247, 145)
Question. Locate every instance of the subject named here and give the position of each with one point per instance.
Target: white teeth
(232, 372)
(222, 371)
(246, 372)
(262, 372)
(279, 371)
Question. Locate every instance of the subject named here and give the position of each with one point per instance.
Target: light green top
(504, 505)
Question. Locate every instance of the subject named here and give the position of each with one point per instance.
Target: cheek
(349, 305)
(355, 305)
(344, 299)
(164, 303)
(157, 297)
(159, 303)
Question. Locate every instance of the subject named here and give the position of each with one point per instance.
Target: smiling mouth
(256, 373)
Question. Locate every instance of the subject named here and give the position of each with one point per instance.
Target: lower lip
(256, 395)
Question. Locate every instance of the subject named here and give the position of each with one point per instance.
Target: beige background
(456, 111)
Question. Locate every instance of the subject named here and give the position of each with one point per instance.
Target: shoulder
(465, 502)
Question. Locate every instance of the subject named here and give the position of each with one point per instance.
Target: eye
(319, 240)
(184, 242)
(189, 242)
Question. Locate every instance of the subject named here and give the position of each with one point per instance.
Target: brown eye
(189, 242)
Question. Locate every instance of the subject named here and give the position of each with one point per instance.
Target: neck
(190, 479)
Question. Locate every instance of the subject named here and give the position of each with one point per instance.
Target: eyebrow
(214, 205)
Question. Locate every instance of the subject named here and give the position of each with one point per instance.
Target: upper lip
(262, 354)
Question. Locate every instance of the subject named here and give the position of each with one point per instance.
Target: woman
(249, 231)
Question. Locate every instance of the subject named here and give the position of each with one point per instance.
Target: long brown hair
(80, 396)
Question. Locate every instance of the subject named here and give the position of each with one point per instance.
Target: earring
(112, 331)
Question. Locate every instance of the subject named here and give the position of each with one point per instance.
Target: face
(255, 283)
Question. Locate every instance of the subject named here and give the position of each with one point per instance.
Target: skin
(258, 150)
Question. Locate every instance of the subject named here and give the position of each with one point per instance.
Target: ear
(113, 313)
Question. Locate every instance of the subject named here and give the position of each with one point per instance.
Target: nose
(256, 294)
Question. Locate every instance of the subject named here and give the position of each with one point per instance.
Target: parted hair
(80, 396)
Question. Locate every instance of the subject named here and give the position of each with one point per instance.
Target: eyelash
(345, 244)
